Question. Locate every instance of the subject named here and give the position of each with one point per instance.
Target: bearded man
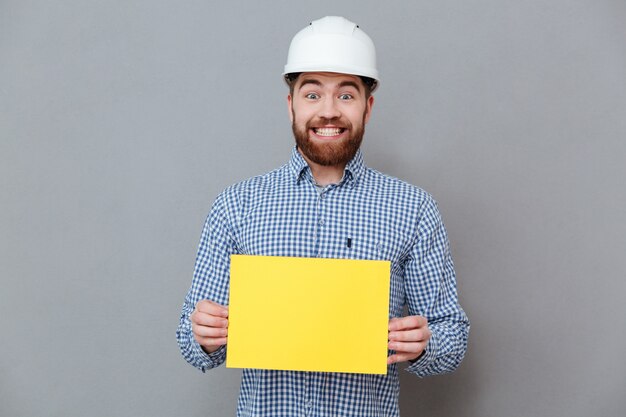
(325, 203)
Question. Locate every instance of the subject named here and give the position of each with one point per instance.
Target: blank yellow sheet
(308, 314)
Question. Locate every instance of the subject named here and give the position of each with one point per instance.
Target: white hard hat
(332, 44)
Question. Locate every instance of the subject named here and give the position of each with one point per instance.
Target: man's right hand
(209, 324)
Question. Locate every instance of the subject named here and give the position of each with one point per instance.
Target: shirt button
(322, 222)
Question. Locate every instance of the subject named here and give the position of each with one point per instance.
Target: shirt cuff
(428, 357)
(208, 360)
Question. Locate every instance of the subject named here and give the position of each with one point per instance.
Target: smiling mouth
(328, 131)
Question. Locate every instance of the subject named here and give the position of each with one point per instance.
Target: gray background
(120, 121)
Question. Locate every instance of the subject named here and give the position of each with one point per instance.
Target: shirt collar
(354, 168)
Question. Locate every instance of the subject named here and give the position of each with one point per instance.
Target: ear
(289, 108)
(368, 108)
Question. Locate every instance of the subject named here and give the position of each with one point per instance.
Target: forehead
(329, 79)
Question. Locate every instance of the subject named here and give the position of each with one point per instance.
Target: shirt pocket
(382, 247)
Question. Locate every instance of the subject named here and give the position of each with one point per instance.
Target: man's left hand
(408, 336)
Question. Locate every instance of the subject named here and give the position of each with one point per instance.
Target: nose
(328, 109)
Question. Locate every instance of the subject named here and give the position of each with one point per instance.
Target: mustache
(323, 121)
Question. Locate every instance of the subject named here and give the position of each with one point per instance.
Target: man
(326, 203)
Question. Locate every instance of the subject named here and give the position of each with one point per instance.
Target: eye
(345, 96)
(312, 96)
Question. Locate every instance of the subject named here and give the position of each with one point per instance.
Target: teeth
(328, 131)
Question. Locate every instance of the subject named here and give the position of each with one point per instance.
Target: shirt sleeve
(211, 279)
(430, 287)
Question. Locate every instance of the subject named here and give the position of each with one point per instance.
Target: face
(328, 114)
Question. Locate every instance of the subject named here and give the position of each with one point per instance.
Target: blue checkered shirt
(282, 213)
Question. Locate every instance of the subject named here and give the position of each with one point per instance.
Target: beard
(330, 152)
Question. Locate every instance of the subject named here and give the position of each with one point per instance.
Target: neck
(325, 174)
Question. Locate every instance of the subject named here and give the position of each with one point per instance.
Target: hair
(368, 83)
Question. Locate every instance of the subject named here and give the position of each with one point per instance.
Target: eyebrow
(350, 84)
(310, 81)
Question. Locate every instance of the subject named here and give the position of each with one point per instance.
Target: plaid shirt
(282, 213)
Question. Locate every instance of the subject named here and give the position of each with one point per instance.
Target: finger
(204, 331)
(212, 308)
(210, 342)
(205, 319)
(407, 347)
(408, 322)
(415, 335)
(401, 357)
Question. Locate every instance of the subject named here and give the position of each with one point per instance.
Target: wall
(120, 121)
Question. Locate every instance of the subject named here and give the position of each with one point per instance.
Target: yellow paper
(308, 314)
